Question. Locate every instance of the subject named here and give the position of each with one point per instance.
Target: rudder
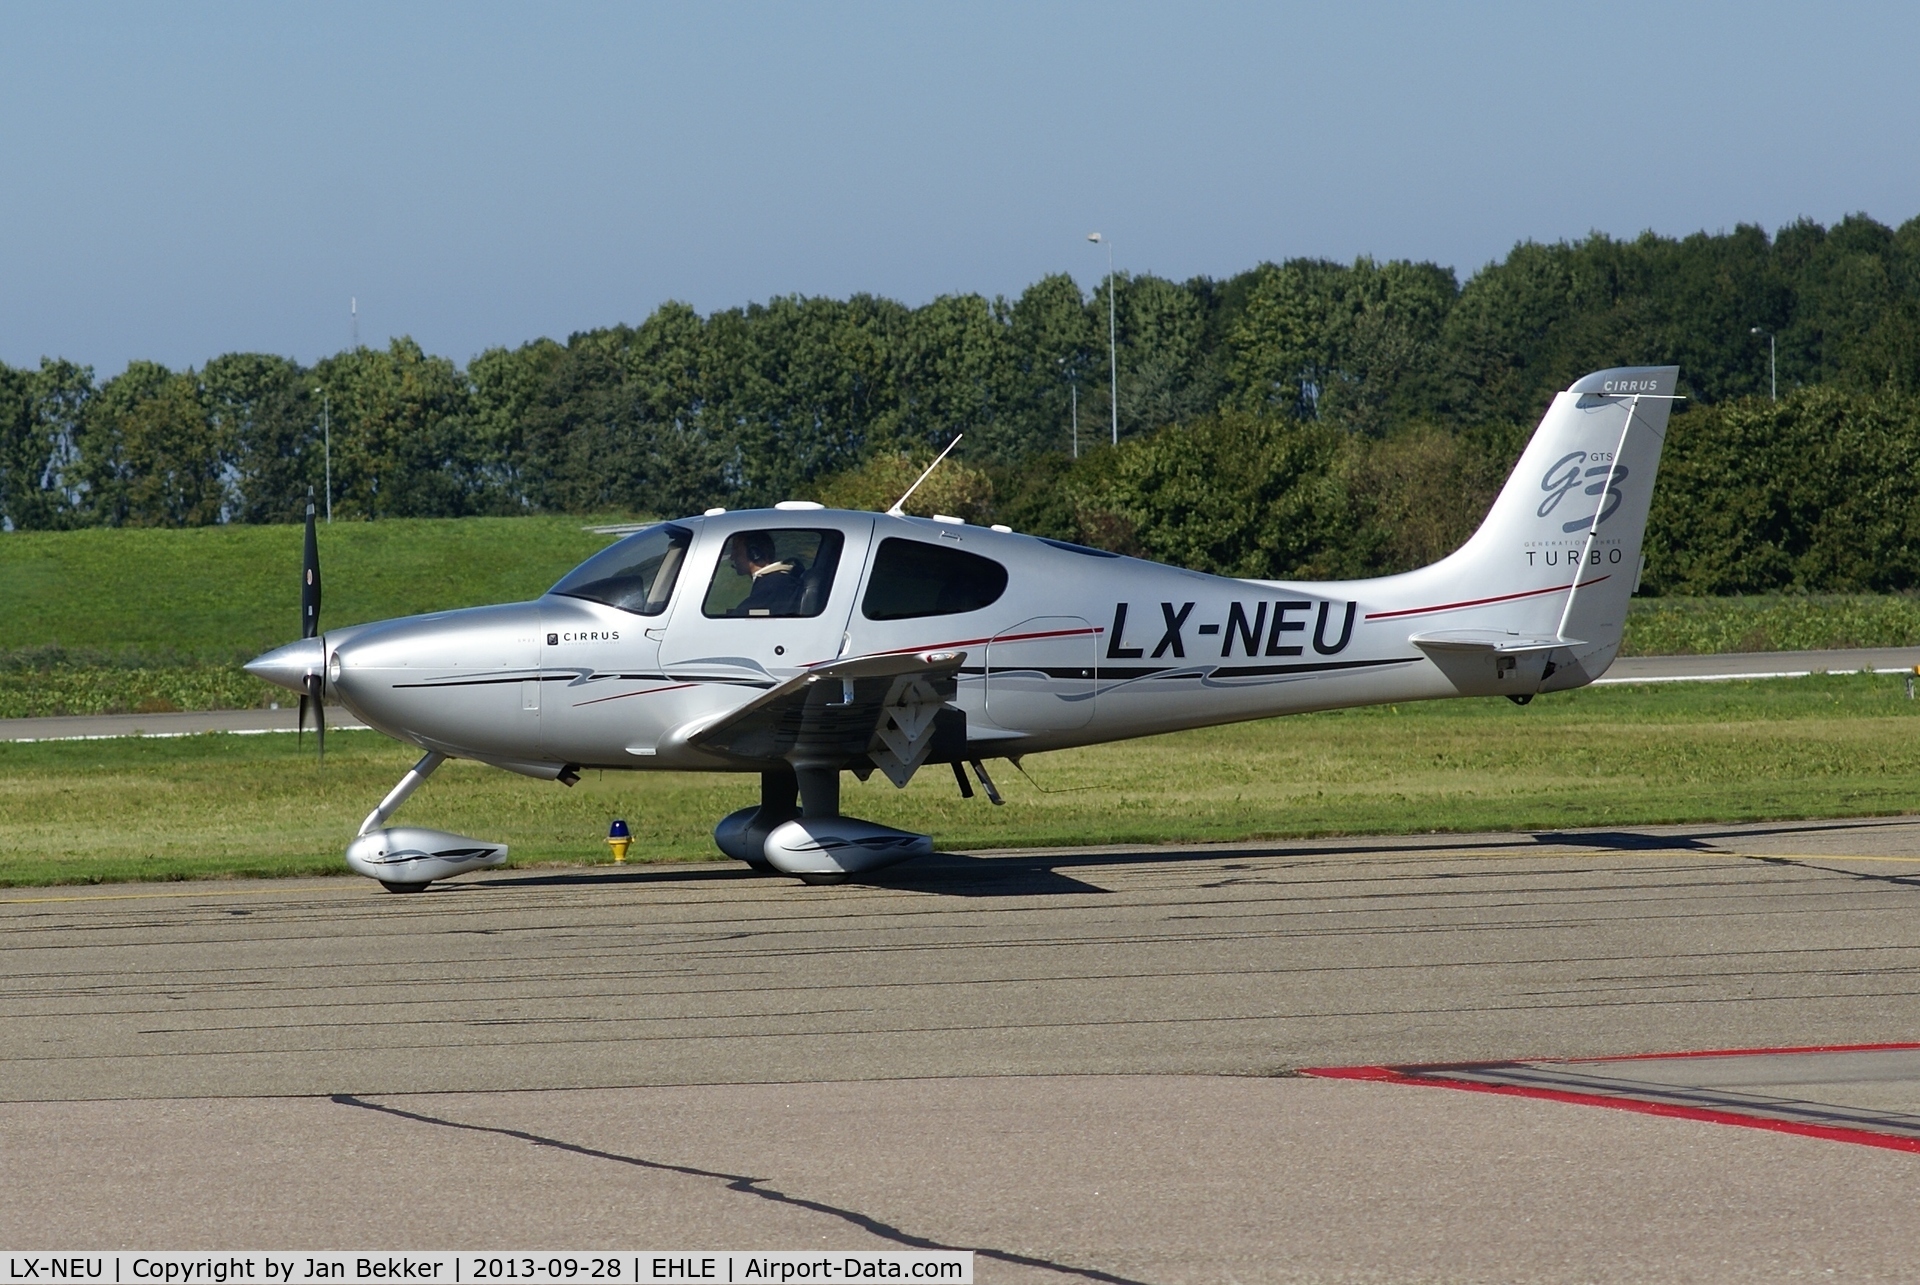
(1557, 559)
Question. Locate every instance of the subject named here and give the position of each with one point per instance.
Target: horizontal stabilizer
(1493, 642)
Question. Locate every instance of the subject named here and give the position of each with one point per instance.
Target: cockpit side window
(780, 573)
(634, 575)
(912, 578)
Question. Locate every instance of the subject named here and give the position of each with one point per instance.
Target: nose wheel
(407, 858)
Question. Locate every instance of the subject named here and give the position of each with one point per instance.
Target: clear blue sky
(186, 180)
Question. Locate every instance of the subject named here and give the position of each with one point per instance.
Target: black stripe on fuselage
(1311, 667)
(1128, 673)
(598, 678)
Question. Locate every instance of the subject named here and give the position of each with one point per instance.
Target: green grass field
(222, 594)
(108, 621)
(234, 805)
(105, 621)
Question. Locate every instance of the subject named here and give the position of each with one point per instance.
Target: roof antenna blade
(895, 511)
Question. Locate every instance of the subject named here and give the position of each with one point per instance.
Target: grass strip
(214, 806)
(1774, 622)
(219, 595)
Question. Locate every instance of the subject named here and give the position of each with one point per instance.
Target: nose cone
(289, 666)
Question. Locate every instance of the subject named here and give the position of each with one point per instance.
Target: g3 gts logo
(1567, 474)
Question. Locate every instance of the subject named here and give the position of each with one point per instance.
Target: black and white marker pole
(310, 626)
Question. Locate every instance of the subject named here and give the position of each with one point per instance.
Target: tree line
(1361, 411)
(1817, 493)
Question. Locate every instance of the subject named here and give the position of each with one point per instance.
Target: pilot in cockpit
(776, 582)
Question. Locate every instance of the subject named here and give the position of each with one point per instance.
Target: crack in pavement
(744, 1184)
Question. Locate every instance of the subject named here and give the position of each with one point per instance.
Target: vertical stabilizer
(1548, 575)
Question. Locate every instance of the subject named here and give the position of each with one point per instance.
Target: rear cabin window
(634, 575)
(912, 578)
(781, 573)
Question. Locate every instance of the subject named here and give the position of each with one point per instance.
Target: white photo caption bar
(545, 1267)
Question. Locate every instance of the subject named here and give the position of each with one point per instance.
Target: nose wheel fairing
(407, 858)
(412, 856)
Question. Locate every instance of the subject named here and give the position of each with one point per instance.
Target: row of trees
(1395, 363)
(1819, 492)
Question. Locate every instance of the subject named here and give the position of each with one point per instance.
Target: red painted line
(1805, 1048)
(1859, 1137)
(623, 695)
(1646, 1057)
(1480, 602)
(1384, 1074)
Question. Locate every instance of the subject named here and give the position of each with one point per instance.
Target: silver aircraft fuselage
(1081, 647)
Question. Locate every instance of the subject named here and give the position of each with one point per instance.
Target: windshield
(634, 575)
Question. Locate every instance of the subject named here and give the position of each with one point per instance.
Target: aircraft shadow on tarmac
(1705, 841)
(1629, 841)
(1046, 873)
(951, 873)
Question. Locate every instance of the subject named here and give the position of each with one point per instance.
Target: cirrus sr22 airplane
(800, 642)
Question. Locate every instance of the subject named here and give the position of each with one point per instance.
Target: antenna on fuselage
(895, 511)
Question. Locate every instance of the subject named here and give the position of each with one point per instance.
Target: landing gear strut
(798, 829)
(407, 858)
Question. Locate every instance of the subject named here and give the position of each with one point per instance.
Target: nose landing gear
(408, 858)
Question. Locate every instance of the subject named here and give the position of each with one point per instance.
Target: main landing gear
(797, 829)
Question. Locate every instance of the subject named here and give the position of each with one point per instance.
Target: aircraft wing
(884, 707)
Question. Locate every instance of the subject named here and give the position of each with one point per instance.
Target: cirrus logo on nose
(1566, 475)
(585, 635)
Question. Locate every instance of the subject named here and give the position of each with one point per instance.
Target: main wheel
(822, 880)
(403, 887)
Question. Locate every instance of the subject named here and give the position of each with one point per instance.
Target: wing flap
(833, 713)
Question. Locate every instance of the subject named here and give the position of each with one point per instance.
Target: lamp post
(1113, 346)
(1072, 371)
(326, 435)
(1073, 395)
(1773, 363)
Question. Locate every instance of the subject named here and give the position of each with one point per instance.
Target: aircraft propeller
(315, 689)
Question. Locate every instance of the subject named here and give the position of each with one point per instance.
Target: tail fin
(1539, 594)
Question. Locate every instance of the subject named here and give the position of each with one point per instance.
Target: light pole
(1073, 395)
(1773, 363)
(326, 435)
(1113, 346)
(1072, 370)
